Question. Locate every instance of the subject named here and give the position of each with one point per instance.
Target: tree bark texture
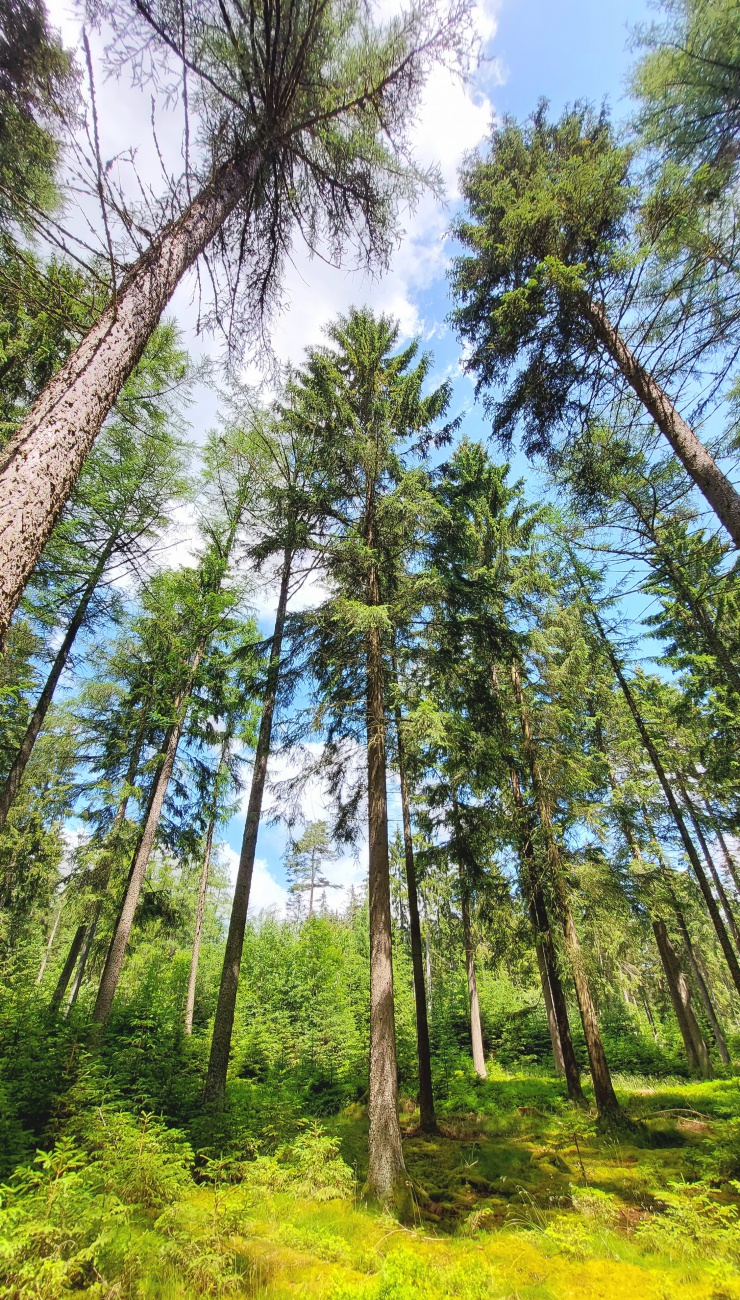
(552, 1024)
(686, 840)
(699, 464)
(223, 1025)
(697, 1053)
(195, 955)
(13, 780)
(68, 967)
(427, 1116)
(386, 1174)
(606, 1100)
(40, 465)
(476, 1031)
(729, 860)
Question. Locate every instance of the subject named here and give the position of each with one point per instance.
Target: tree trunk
(606, 1100)
(117, 951)
(476, 1032)
(729, 860)
(427, 1116)
(724, 900)
(13, 780)
(92, 930)
(552, 1024)
(693, 455)
(195, 956)
(49, 943)
(701, 984)
(386, 1174)
(40, 464)
(69, 965)
(428, 962)
(223, 1024)
(697, 1054)
(665, 785)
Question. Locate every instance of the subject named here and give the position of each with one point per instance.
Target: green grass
(520, 1196)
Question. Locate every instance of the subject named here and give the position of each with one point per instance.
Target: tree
(304, 859)
(112, 523)
(304, 117)
(544, 279)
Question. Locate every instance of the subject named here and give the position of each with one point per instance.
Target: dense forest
(483, 672)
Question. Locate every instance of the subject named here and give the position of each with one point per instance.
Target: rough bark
(697, 1053)
(427, 1116)
(223, 1025)
(606, 1100)
(386, 1174)
(13, 780)
(68, 967)
(686, 840)
(195, 955)
(476, 1032)
(729, 860)
(699, 464)
(40, 464)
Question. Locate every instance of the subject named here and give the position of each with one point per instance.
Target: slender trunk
(41, 463)
(223, 1024)
(476, 1032)
(428, 964)
(693, 455)
(729, 860)
(701, 984)
(665, 785)
(117, 951)
(606, 1100)
(386, 1173)
(111, 841)
(724, 900)
(557, 1009)
(426, 1095)
(552, 1024)
(68, 967)
(13, 780)
(697, 1053)
(195, 956)
(92, 930)
(49, 942)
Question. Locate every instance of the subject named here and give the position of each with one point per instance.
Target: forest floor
(519, 1197)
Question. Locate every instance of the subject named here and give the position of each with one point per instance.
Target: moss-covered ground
(518, 1196)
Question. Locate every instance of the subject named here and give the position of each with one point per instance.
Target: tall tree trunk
(13, 780)
(729, 860)
(117, 951)
(110, 844)
(606, 1100)
(557, 1009)
(40, 464)
(552, 1024)
(701, 984)
(427, 1116)
(386, 1174)
(223, 1024)
(195, 955)
(476, 1032)
(724, 900)
(670, 798)
(69, 965)
(693, 455)
(49, 942)
(697, 1053)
